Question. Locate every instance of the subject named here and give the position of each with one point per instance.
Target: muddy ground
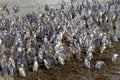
(75, 70)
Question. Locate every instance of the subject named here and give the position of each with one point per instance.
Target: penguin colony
(55, 36)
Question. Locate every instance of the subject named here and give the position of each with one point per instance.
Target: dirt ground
(75, 70)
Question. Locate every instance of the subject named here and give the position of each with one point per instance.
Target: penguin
(61, 60)
(89, 55)
(114, 57)
(35, 65)
(46, 63)
(15, 8)
(46, 7)
(99, 64)
(21, 70)
(11, 69)
(87, 63)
